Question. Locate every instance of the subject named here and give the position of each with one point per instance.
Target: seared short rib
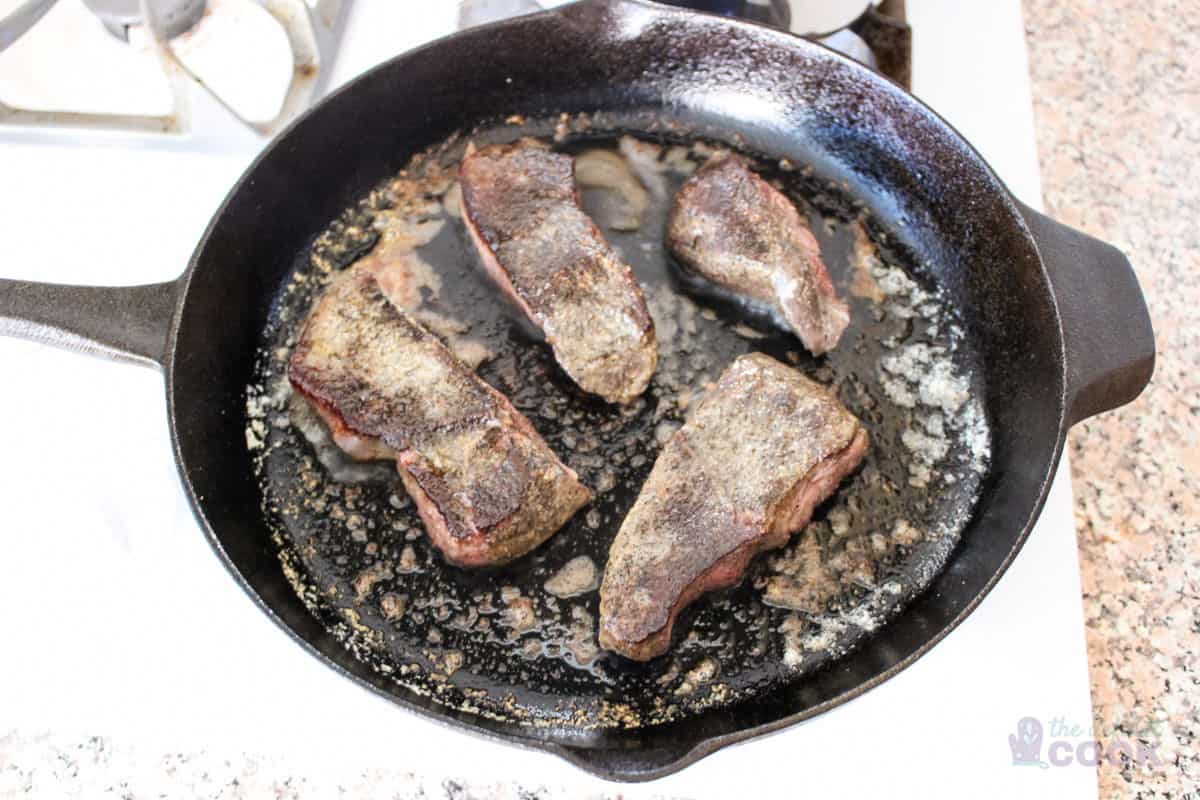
(485, 483)
(762, 450)
(521, 209)
(733, 229)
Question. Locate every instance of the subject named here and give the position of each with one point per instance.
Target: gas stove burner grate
(174, 16)
(195, 55)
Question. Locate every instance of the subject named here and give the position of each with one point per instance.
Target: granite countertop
(1117, 101)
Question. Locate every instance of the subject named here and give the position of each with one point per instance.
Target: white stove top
(120, 622)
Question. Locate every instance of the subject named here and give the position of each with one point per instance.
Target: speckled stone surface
(1117, 99)
(92, 767)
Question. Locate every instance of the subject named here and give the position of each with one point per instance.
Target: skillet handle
(1106, 325)
(128, 323)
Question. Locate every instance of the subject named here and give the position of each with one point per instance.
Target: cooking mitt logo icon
(1026, 744)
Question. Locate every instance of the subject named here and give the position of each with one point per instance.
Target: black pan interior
(667, 75)
(511, 641)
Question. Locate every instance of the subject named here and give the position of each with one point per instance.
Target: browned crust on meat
(733, 229)
(521, 209)
(763, 449)
(487, 485)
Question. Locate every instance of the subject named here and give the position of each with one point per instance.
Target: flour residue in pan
(519, 642)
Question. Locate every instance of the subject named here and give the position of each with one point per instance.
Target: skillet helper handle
(128, 323)
(1106, 325)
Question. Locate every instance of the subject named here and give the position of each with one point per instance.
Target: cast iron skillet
(1056, 316)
